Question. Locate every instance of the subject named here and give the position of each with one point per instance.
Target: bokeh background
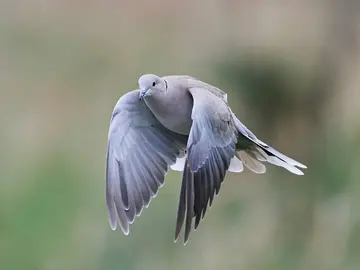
(292, 73)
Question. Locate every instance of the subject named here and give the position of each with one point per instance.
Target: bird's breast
(173, 112)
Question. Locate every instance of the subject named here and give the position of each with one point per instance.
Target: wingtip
(197, 223)
(186, 237)
(176, 237)
(112, 223)
(186, 241)
(177, 232)
(125, 231)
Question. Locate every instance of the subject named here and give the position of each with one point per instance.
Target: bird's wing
(139, 152)
(210, 147)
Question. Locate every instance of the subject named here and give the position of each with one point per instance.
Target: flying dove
(185, 124)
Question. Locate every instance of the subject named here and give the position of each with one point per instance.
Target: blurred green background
(292, 73)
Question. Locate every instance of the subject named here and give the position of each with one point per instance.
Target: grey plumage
(182, 123)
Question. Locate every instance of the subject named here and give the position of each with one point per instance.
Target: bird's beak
(142, 93)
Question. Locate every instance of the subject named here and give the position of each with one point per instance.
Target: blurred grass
(42, 218)
(65, 65)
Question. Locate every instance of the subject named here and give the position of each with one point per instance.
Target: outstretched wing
(210, 147)
(139, 152)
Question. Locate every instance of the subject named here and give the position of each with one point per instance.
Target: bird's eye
(153, 84)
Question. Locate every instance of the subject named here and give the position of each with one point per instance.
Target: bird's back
(192, 82)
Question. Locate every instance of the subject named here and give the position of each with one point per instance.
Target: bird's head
(150, 84)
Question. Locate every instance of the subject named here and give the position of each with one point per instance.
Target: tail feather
(250, 161)
(236, 165)
(278, 162)
(268, 154)
(253, 151)
(285, 158)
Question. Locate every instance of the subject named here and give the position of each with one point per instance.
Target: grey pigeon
(182, 123)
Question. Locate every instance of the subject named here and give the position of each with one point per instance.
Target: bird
(185, 124)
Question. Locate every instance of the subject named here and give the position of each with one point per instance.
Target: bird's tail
(254, 157)
(252, 152)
